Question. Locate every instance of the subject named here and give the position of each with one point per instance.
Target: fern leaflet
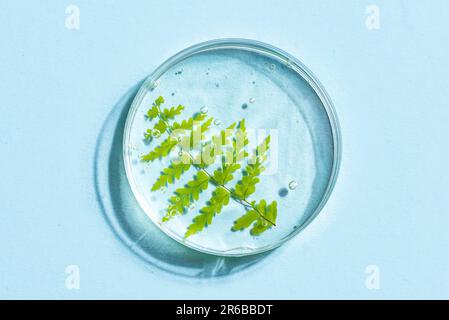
(255, 218)
(170, 174)
(186, 195)
(219, 199)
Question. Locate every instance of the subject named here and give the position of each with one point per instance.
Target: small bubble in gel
(176, 199)
(217, 122)
(283, 192)
(204, 109)
(252, 100)
(181, 153)
(156, 133)
(163, 190)
(217, 85)
(293, 185)
(244, 106)
(254, 82)
(191, 206)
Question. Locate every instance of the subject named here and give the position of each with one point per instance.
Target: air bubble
(163, 190)
(204, 110)
(252, 100)
(217, 122)
(293, 185)
(154, 84)
(191, 206)
(156, 133)
(244, 106)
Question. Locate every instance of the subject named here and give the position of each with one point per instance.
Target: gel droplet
(283, 192)
(180, 153)
(293, 185)
(204, 109)
(217, 122)
(176, 199)
(244, 106)
(252, 100)
(154, 84)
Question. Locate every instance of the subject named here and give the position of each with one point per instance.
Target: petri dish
(229, 80)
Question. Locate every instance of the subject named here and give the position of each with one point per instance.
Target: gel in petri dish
(230, 80)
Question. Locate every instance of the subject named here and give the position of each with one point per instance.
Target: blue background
(389, 207)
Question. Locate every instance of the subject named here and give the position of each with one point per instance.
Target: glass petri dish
(230, 80)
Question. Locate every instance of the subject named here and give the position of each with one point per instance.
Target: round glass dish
(231, 80)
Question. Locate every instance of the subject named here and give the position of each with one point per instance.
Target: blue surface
(389, 207)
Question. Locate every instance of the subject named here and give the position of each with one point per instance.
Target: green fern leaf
(172, 112)
(247, 185)
(239, 142)
(261, 217)
(199, 133)
(187, 124)
(152, 113)
(219, 199)
(154, 110)
(170, 175)
(225, 174)
(160, 151)
(187, 195)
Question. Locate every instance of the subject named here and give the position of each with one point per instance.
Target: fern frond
(261, 217)
(219, 199)
(187, 124)
(247, 185)
(153, 112)
(186, 195)
(170, 174)
(239, 142)
(159, 128)
(197, 133)
(160, 151)
(172, 112)
(224, 174)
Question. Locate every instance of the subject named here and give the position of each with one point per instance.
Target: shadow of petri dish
(132, 226)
